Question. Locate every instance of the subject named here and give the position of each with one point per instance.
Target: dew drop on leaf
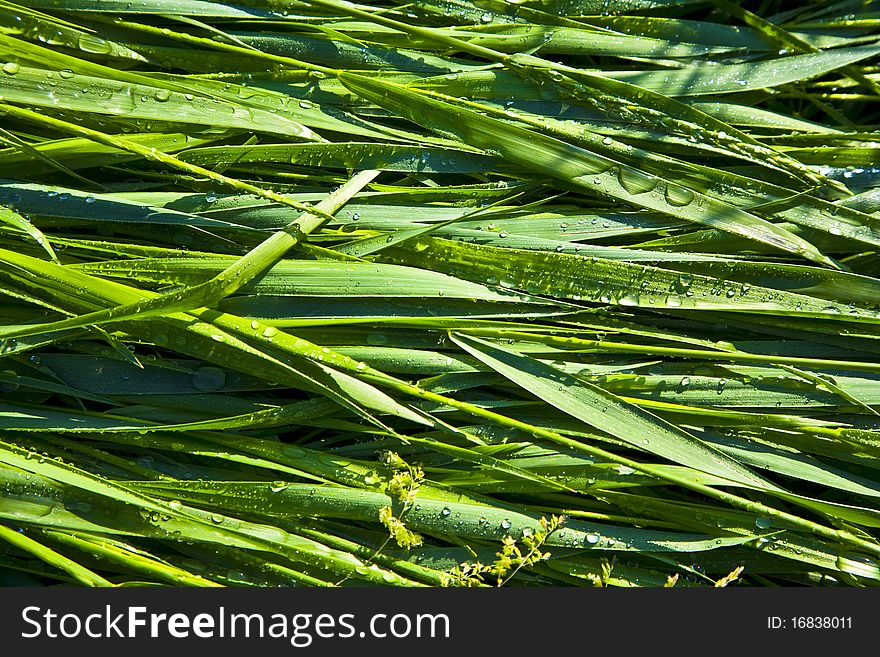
(209, 378)
(678, 196)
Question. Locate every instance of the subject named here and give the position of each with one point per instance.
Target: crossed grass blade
(424, 317)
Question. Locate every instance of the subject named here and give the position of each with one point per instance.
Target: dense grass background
(523, 292)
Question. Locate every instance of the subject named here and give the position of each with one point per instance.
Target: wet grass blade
(577, 167)
(268, 275)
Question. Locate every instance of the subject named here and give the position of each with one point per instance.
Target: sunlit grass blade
(331, 294)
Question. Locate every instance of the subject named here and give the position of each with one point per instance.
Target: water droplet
(486, 18)
(278, 486)
(11, 68)
(592, 539)
(66, 73)
(80, 507)
(636, 182)
(505, 524)
(209, 378)
(685, 381)
(446, 511)
(377, 339)
(93, 44)
(763, 523)
(216, 518)
(678, 196)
